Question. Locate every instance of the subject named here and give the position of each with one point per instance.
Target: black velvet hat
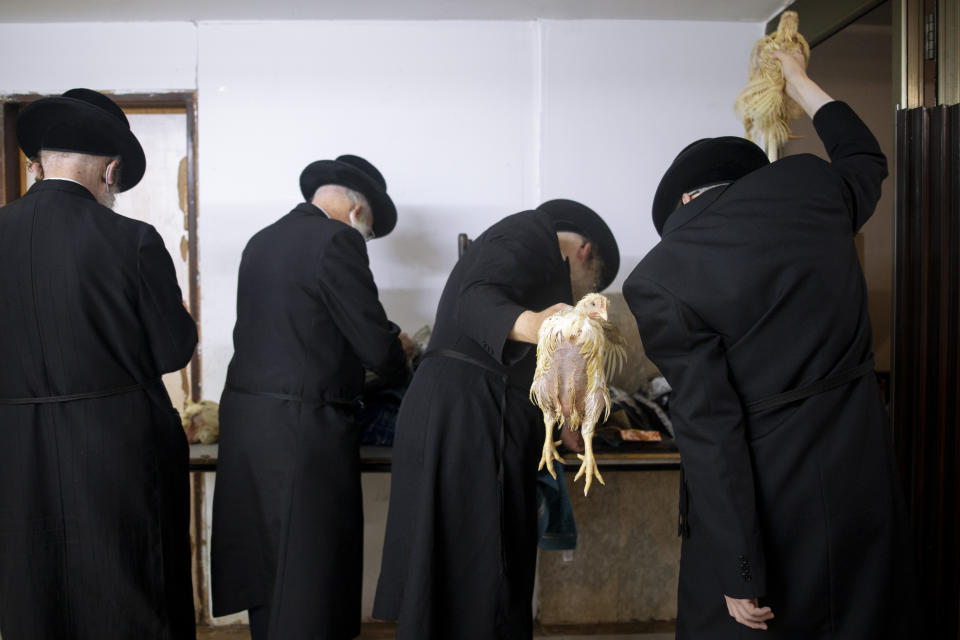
(568, 215)
(82, 121)
(700, 164)
(355, 173)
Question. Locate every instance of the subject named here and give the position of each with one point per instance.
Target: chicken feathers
(577, 351)
(763, 105)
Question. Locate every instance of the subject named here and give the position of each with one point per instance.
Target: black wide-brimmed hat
(82, 121)
(355, 173)
(568, 215)
(700, 164)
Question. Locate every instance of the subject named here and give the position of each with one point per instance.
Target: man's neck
(66, 179)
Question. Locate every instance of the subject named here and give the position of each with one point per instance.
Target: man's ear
(584, 251)
(110, 176)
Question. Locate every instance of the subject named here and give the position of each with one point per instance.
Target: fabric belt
(73, 396)
(355, 401)
(802, 393)
(505, 379)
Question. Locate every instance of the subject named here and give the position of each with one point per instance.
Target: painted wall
(621, 99)
(468, 121)
(119, 57)
(446, 111)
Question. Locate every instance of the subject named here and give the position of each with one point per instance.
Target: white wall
(445, 110)
(468, 121)
(119, 57)
(621, 99)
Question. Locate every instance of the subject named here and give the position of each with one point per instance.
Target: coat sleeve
(501, 273)
(171, 331)
(350, 294)
(707, 415)
(856, 160)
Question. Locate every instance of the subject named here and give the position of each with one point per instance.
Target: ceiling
(203, 10)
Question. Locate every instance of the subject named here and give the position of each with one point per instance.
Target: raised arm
(856, 162)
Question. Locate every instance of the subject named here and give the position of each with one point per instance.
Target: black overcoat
(460, 549)
(754, 290)
(94, 495)
(287, 509)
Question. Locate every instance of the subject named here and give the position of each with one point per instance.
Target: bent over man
(460, 549)
(287, 512)
(94, 496)
(754, 307)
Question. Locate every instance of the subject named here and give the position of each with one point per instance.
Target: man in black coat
(754, 307)
(94, 496)
(287, 511)
(460, 549)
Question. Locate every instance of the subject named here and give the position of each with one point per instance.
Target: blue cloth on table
(556, 529)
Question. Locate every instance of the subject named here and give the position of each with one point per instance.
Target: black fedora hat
(700, 164)
(568, 215)
(82, 121)
(355, 173)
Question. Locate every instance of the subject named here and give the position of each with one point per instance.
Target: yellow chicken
(577, 350)
(764, 107)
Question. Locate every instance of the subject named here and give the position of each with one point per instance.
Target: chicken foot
(588, 465)
(549, 444)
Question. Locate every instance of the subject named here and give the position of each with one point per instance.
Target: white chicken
(201, 421)
(577, 350)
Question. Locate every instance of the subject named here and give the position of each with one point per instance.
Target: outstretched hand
(527, 326)
(747, 612)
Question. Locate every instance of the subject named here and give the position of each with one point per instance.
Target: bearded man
(287, 510)
(94, 495)
(460, 549)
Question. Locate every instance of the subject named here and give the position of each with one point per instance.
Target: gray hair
(357, 198)
(47, 155)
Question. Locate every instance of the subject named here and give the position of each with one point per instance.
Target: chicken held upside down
(577, 350)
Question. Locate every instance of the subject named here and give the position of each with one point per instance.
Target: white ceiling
(197, 10)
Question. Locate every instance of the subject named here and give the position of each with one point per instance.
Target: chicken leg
(588, 464)
(549, 444)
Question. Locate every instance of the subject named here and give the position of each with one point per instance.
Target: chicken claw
(588, 466)
(549, 455)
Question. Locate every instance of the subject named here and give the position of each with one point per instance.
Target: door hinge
(930, 37)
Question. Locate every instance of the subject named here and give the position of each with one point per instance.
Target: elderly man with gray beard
(287, 512)
(94, 497)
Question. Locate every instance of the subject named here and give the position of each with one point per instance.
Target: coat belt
(73, 396)
(505, 380)
(355, 401)
(820, 386)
